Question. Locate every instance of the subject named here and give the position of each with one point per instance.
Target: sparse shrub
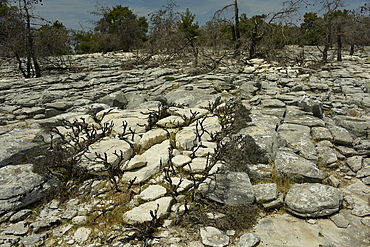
(135, 234)
(169, 78)
(283, 182)
(238, 152)
(59, 157)
(204, 212)
(156, 115)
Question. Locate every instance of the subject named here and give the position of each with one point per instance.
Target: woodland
(37, 45)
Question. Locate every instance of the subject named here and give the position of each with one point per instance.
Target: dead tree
(235, 29)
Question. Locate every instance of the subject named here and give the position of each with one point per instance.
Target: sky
(75, 14)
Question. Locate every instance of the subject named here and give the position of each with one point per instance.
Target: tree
(254, 29)
(234, 26)
(190, 30)
(84, 42)
(9, 21)
(53, 40)
(18, 35)
(330, 7)
(356, 30)
(119, 29)
(164, 31)
(341, 20)
(312, 29)
(33, 67)
(216, 37)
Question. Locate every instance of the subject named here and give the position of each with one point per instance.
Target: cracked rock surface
(147, 152)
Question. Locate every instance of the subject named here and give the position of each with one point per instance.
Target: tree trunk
(339, 44)
(254, 41)
(352, 50)
(20, 65)
(237, 30)
(31, 56)
(327, 44)
(195, 53)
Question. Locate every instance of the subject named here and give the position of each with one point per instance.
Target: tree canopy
(117, 29)
(175, 33)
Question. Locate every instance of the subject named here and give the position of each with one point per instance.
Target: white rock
(186, 139)
(153, 192)
(188, 113)
(109, 147)
(171, 122)
(249, 70)
(212, 236)
(249, 240)
(355, 163)
(211, 124)
(313, 200)
(141, 213)
(20, 186)
(197, 165)
(181, 183)
(135, 120)
(203, 152)
(79, 220)
(153, 137)
(265, 192)
(156, 156)
(60, 231)
(180, 160)
(81, 234)
(136, 162)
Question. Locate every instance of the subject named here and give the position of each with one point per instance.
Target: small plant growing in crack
(173, 189)
(66, 148)
(191, 118)
(213, 105)
(155, 115)
(141, 232)
(111, 170)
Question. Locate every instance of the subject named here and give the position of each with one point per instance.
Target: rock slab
(232, 188)
(142, 213)
(313, 200)
(20, 186)
(212, 236)
(249, 240)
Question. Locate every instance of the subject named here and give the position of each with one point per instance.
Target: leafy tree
(9, 21)
(341, 20)
(84, 42)
(119, 29)
(190, 30)
(53, 40)
(188, 25)
(357, 30)
(253, 29)
(312, 29)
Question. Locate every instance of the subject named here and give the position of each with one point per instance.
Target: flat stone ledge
(313, 200)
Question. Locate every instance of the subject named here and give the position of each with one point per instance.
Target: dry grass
(204, 212)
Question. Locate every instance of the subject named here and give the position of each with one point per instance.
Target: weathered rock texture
(307, 127)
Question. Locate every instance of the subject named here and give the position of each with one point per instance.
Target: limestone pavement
(310, 176)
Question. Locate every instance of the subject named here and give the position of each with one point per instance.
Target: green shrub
(169, 78)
